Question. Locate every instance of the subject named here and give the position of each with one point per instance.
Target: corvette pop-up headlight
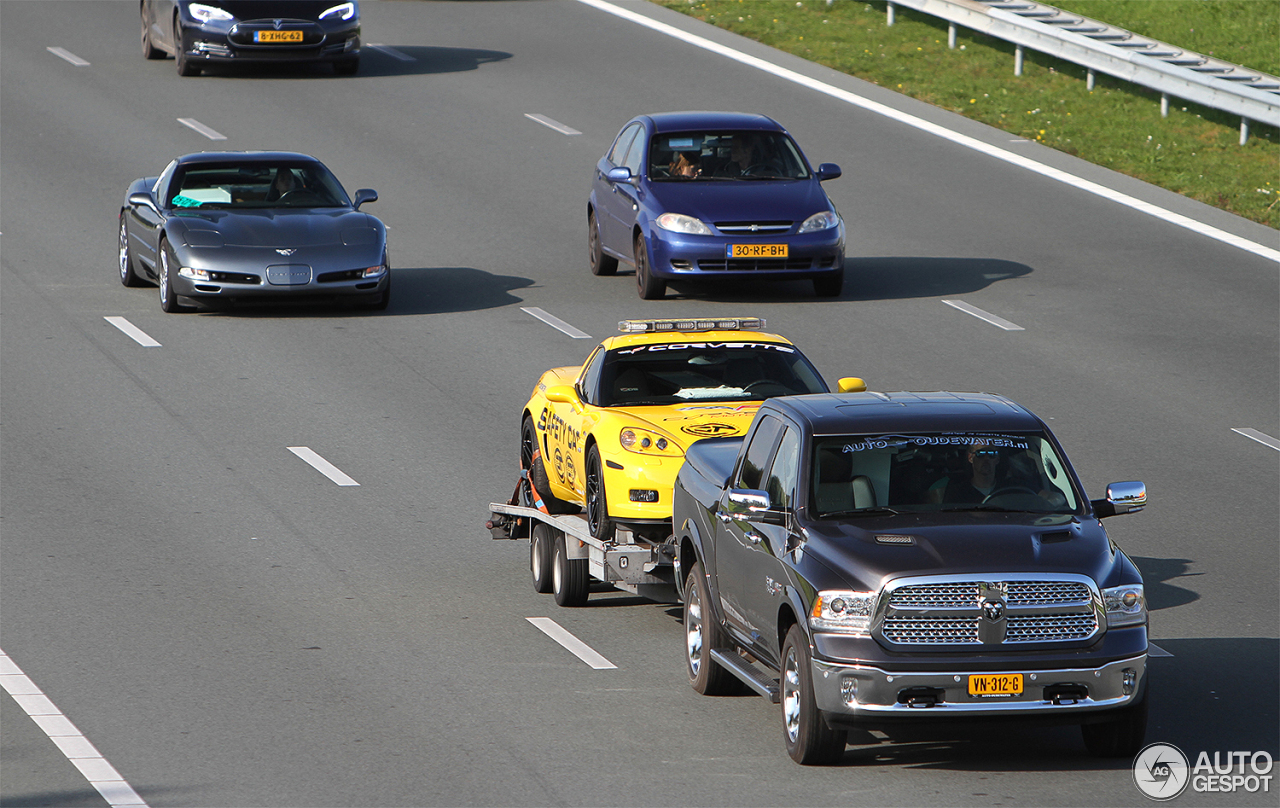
(205, 13)
(344, 11)
(1125, 605)
(679, 223)
(842, 612)
(642, 441)
(820, 221)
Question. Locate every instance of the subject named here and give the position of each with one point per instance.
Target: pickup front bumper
(856, 694)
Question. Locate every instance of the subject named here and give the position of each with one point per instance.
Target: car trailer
(564, 557)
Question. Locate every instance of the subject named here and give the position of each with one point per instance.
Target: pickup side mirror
(561, 394)
(1129, 497)
(364, 195)
(752, 505)
(851, 384)
(619, 174)
(828, 171)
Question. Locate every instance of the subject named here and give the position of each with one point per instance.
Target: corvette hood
(688, 423)
(742, 200)
(281, 229)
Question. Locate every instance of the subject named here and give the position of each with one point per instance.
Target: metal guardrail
(1097, 46)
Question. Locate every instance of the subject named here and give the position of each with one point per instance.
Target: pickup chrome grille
(988, 610)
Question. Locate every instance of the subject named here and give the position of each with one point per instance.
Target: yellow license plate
(277, 36)
(998, 684)
(757, 251)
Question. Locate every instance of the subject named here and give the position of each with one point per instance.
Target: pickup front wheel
(809, 740)
(701, 634)
(1122, 736)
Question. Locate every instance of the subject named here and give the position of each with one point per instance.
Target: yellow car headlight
(642, 441)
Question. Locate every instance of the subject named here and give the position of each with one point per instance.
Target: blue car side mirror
(828, 171)
(619, 174)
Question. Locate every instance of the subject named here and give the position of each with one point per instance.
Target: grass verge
(1195, 151)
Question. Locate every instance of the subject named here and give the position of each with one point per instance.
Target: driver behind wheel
(974, 484)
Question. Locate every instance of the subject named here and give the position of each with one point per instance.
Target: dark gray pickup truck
(869, 559)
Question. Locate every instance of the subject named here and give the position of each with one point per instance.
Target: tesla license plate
(757, 251)
(277, 36)
(998, 684)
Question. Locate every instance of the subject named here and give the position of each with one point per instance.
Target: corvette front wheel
(598, 521)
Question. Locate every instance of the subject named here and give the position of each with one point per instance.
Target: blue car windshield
(258, 185)
(684, 156)
(682, 373)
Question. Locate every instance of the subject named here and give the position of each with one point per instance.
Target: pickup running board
(751, 676)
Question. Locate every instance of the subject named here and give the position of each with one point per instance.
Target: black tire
(347, 67)
(538, 480)
(809, 740)
(570, 578)
(168, 298)
(601, 264)
(150, 51)
(127, 276)
(1122, 736)
(186, 67)
(541, 557)
(649, 287)
(383, 300)
(829, 285)
(597, 502)
(701, 634)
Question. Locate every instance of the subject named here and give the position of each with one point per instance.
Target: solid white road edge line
(392, 52)
(321, 465)
(69, 740)
(555, 322)
(1260, 437)
(1000, 322)
(947, 134)
(63, 53)
(571, 643)
(556, 125)
(192, 123)
(137, 334)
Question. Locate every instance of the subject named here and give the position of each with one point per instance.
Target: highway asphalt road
(225, 625)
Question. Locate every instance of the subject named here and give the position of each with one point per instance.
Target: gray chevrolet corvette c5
(220, 227)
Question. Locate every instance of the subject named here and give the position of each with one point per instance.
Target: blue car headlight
(679, 223)
(820, 221)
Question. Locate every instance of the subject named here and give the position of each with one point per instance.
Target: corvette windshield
(676, 373)
(259, 185)
(949, 471)
(725, 156)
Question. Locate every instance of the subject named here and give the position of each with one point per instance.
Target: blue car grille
(754, 228)
(752, 264)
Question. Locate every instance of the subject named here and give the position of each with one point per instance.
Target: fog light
(849, 690)
(642, 495)
(1130, 680)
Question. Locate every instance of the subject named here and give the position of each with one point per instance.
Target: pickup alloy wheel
(701, 634)
(809, 739)
(1122, 736)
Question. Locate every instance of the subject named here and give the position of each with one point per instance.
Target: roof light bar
(720, 324)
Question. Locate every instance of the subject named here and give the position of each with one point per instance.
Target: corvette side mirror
(561, 394)
(365, 195)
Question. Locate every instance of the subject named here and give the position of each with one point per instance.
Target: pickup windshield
(679, 373)
(1017, 472)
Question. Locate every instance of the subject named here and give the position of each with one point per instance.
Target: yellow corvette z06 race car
(607, 437)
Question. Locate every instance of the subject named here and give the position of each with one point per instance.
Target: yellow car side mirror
(561, 394)
(849, 384)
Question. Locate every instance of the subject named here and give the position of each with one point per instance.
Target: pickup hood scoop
(977, 543)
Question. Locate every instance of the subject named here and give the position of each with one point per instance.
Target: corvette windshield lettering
(685, 346)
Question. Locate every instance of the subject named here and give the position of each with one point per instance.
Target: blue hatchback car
(700, 195)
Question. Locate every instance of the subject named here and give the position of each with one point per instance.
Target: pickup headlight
(1125, 605)
(642, 441)
(820, 221)
(679, 223)
(842, 612)
(205, 13)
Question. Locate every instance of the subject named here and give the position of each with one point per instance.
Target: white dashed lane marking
(63, 53)
(392, 52)
(192, 123)
(555, 322)
(985, 316)
(571, 643)
(69, 740)
(1260, 437)
(556, 125)
(136, 334)
(321, 465)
